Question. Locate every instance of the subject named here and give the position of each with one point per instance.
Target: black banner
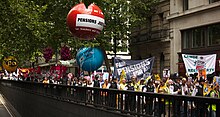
(138, 68)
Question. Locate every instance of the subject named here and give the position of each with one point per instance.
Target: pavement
(4, 111)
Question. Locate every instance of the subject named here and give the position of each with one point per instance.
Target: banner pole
(114, 74)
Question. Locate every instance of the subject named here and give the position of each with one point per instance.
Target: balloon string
(92, 59)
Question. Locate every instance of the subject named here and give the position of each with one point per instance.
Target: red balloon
(85, 23)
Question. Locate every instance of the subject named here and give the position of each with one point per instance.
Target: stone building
(178, 26)
(195, 28)
(153, 39)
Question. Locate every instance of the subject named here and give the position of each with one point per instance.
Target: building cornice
(194, 10)
(162, 40)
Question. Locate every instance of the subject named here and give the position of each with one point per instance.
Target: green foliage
(22, 28)
(141, 10)
(28, 26)
(116, 17)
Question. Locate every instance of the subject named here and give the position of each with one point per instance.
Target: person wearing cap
(130, 99)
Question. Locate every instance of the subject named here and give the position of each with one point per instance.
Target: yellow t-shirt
(122, 86)
(46, 81)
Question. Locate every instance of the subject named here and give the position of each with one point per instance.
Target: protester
(97, 93)
(163, 89)
(190, 85)
(141, 84)
(96, 81)
(122, 84)
(46, 80)
(214, 93)
(149, 87)
(130, 99)
(112, 96)
(134, 83)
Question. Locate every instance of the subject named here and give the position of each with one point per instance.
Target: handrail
(125, 102)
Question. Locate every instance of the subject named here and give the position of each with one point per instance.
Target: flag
(123, 75)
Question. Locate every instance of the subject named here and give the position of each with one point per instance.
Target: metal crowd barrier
(128, 103)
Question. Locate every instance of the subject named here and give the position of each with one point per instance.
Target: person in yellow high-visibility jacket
(215, 94)
(162, 88)
(134, 83)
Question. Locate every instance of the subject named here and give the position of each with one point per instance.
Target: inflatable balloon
(89, 59)
(85, 23)
(10, 63)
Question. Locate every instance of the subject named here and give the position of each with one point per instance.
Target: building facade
(177, 27)
(153, 39)
(195, 30)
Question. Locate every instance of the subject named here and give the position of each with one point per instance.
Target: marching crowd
(191, 85)
(177, 85)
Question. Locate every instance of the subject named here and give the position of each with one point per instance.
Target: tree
(22, 29)
(121, 16)
(29, 26)
(141, 11)
(117, 27)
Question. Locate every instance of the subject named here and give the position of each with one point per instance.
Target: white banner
(89, 21)
(193, 63)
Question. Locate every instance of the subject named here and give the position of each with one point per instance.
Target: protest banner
(138, 68)
(199, 63)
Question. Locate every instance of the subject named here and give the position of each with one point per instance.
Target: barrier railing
(128, 103)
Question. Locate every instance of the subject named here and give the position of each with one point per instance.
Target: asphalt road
(3, 111)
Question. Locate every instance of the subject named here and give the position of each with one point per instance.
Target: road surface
(3, 109)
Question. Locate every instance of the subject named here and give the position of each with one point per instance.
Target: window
(214, 35)
(161, 18)
(185, 5)
(187, 37)
(198, 37)
(201, 37)
(211, 1)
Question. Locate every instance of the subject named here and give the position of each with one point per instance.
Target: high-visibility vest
(212, 94)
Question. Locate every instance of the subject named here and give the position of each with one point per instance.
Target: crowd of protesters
(191, 85)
